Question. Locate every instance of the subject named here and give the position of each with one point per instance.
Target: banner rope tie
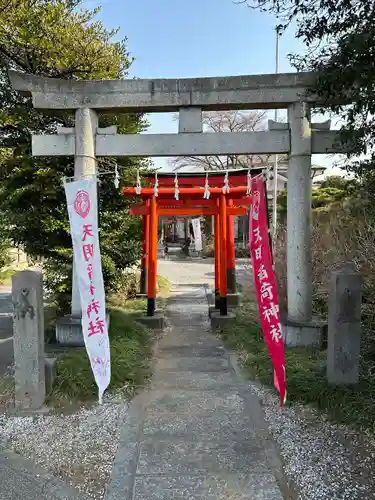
(138, 187)
(116, 180)
(226, 188)
(206, 194)
(156, 186)
(176, 189)
(248, 186)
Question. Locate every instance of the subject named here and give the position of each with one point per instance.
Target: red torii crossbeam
(228, 196)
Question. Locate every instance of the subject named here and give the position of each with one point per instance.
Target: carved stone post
(28, 339)
(344, 326)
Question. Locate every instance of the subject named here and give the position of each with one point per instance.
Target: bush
(5, 256)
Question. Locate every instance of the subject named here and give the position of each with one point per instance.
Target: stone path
(20, 479)
(198, 432)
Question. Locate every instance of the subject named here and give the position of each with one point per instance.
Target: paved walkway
(198, 432)
(21, 479)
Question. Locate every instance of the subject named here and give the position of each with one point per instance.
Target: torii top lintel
(267, 91)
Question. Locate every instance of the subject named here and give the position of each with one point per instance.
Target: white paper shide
(196, 223)
(82, 204)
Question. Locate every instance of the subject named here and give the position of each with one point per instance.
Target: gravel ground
(78, 447)
(325, 461)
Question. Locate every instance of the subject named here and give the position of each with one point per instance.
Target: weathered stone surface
(28, 339)
(69, 331)
(225, 426)
(201, 364)
(344, 326)
(153, 322)
(246, 91)
(213, 487)
(20, 479)
(192, 380)
(303, 333)
(188, 350)
(181, 457)
(233, 299)
(219, 321)
(220, 399)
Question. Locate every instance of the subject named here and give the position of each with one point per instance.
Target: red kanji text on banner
(265, 283)
(82, 203)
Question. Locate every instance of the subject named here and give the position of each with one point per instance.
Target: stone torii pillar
(300, 329)
(299, 215)
(86, 125)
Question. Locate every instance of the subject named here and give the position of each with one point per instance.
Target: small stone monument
(28, 339)
(344, 326)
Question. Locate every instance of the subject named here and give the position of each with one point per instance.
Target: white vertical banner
(196, 223)
(82, 201)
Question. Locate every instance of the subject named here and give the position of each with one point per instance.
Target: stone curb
(120, 486)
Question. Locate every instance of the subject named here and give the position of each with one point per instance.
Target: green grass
(140, 305)
(130, 355)
(305, 368)
(7, 272)
(130, 345)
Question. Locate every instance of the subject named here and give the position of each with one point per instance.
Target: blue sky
(196, 38)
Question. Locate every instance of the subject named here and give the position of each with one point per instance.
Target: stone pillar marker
(344, 326)
(28, 339)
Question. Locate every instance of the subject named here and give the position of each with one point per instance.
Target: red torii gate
(228, 196)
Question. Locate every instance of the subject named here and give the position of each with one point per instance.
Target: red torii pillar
(217, 257)
(153, 257)
(145, 250)
(223, 255)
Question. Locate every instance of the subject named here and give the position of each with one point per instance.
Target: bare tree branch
(226, 121)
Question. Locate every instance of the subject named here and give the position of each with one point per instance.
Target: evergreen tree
(55, 39)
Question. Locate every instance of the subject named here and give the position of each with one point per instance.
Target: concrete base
(304, 334)
(69, 331)
(155, 322)
(212, 310)
(218, 321)
(50, 373)
(233, 299)
(210, 297)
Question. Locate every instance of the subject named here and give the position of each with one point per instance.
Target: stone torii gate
(298, 138)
